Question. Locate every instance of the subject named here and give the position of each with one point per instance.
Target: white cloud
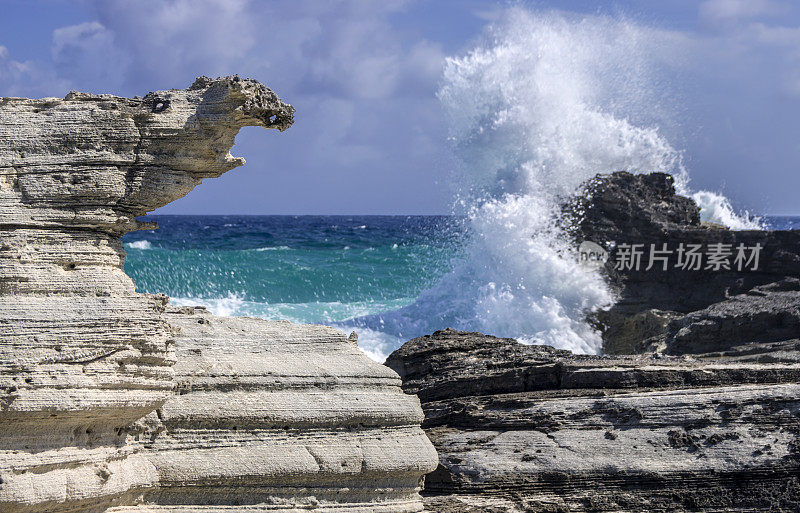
(745, 39)
(164, 43)
(342, 63)
(363, 83)
(87, 52)
(725, 13)
(348, 48)
(26, 78)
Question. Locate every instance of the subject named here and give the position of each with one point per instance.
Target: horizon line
(370, 215)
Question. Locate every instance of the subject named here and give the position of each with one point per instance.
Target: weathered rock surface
(653, 306)
(82, 355)
(281, 417)
(86, 362)
(531, 428)
(762, 324)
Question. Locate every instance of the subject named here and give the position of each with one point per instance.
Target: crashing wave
(544, 103)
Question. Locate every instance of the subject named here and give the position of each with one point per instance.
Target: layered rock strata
(531, 428)
(683, 309)
(86, 362)
(274, 416)
(82, 355)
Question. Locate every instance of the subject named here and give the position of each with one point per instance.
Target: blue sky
(370, 136)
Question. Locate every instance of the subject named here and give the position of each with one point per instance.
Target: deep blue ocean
(311, 269)
(302, 268)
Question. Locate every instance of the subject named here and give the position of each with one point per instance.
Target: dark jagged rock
(653, 306)
(624, 206)
(762, 324)
(532, 428)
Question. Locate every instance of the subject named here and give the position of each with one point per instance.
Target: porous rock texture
(85, 361)
(82, 355)
(706, 419)
(750, 314)
(531, 428)
(274, 416)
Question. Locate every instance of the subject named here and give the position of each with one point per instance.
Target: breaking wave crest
(139, 244)
(545, 102)
(716, 208)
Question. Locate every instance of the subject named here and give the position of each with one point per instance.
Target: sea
(540, 104)
(352, 272)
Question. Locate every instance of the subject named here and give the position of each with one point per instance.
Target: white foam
(273, 248)
(374, 343)
(224, 307)
(716, 208)
(139, 244)
(334, 313)
(544, 103)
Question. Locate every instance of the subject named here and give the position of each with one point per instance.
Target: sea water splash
(716, 208)
(543, 104)
(305, 269)
(139, 244)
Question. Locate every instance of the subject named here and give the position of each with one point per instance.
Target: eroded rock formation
(85, 361)
(679, 311)
(531, 428)
(282, 417)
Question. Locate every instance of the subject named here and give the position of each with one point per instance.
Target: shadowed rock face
(531, 428)
(83, 357)
(678, 311)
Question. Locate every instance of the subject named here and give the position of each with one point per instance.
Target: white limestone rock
(82, 355)
(268, 416)
(275, 416)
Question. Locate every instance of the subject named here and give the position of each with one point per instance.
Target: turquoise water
(374, 274)
(321, 269)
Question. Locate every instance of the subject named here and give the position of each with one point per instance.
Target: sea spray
(716, 208)
(544, 103)
(139, 244)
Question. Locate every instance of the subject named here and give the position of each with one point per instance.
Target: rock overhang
(86, 362)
